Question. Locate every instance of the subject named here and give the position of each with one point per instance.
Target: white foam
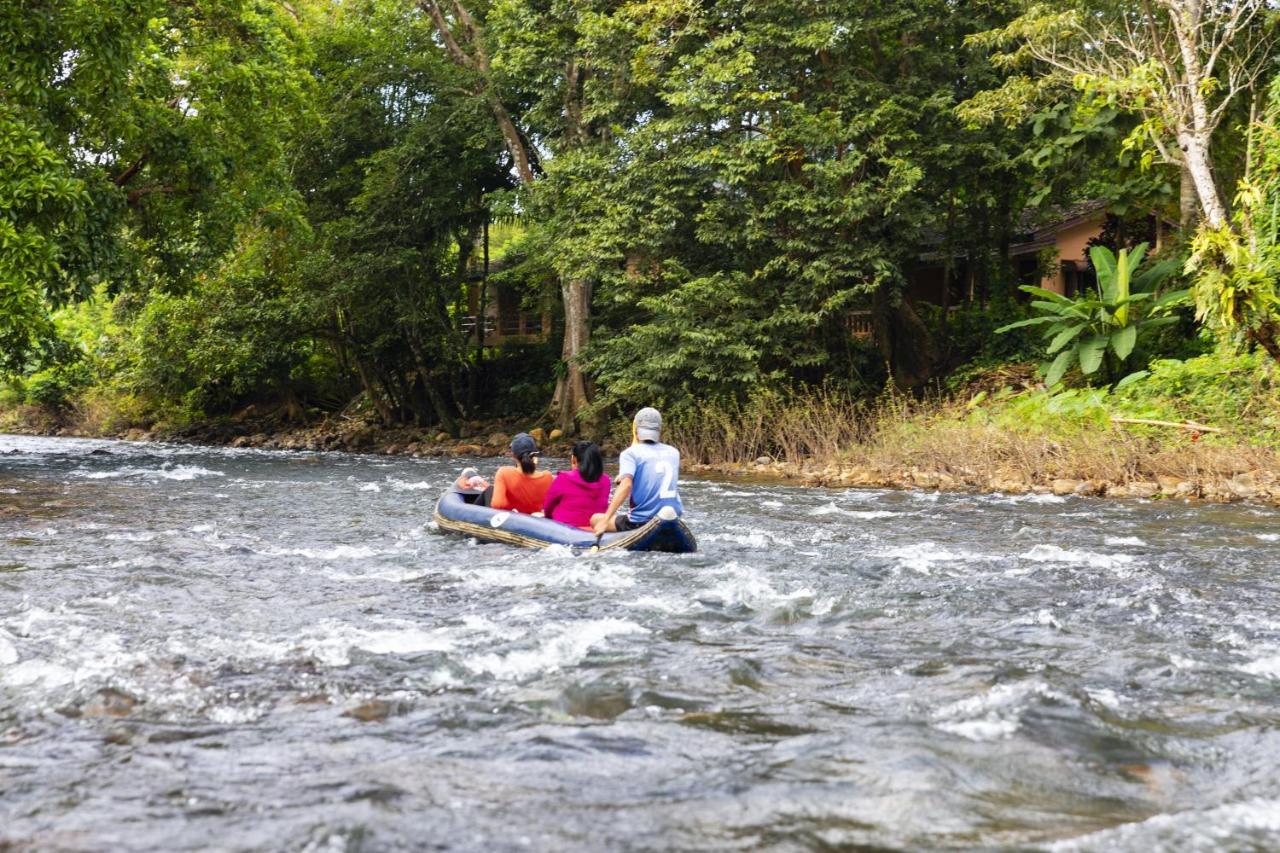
(1056, 554)
(993, 715)
(1216, 828)
(1268, 537)
(338, 552)
(403, 486)
(922, 556)
(1044, 616)
(866, 514)
(1028, 498)
(981, 730)
(370, 487)
(568, 647)
(551, 567)
(1122, 541)
(130, 537)
(8, 652)
(176, 472)
(1104, 696)
(228, 715)
(747, 587)
(755, 539)
(1268, 666)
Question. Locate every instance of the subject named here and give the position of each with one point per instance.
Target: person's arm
(500, 500)
(555, 493)
(619, 497)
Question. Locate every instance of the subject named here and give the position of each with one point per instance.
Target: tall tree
(463, 37)
(1179, 65)
(143, 137)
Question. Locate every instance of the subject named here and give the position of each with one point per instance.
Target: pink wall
(1071, 243)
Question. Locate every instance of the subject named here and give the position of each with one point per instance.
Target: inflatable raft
(664, 532)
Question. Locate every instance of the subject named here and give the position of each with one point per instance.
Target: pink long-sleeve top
(572, 500)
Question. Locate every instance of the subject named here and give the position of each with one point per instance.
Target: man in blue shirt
(648, 474)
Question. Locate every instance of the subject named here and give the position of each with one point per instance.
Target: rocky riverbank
(1192, 473)
(1257, 486)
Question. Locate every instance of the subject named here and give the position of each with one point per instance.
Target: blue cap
(524, 445)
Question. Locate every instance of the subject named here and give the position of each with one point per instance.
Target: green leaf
(1123, 341)
(1135, 258)
(1060, 364)
(1131, 378)
(1064, 337)
(1173, 297)
(1091, 352)
(1031, 322)
(1153, 275)
(1104, 263)
(1044, 294)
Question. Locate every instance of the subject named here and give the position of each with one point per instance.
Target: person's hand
(600, 526)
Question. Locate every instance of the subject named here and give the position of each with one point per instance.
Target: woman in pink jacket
(577, 494)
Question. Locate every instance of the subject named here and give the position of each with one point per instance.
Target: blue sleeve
(627, 465)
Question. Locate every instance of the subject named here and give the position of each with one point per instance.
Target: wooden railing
(500, 329)
(861, 324)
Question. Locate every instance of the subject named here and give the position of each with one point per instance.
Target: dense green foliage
(290, 204)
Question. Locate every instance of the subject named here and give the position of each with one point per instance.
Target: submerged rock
(109, 702)
(373, 711)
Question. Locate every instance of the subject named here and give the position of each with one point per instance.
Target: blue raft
(455, 514)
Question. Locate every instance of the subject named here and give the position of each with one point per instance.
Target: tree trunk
(370, 388)
(1188, 201)
(1195, 153)
(903, 339)
(473, 379)
(469, 52)
(571, 389)
(1265, 336)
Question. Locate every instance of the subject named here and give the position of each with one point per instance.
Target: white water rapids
(245, 650)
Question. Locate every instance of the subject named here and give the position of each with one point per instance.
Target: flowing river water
(246, 650)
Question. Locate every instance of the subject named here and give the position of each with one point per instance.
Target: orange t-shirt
(514, 489)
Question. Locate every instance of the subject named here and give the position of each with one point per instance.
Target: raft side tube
(664, 532)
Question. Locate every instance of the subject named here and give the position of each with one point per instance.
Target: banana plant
(1082, 330)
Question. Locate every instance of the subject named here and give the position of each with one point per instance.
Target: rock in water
(373, 711)
(109, 702)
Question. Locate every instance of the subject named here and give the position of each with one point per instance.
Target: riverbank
(938, 446)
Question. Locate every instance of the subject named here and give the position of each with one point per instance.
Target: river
(248, 650)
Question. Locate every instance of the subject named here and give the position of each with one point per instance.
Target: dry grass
(787, 428)
(940, 443)
(942, 438)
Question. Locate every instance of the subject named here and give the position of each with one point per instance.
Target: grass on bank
(983, 436)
